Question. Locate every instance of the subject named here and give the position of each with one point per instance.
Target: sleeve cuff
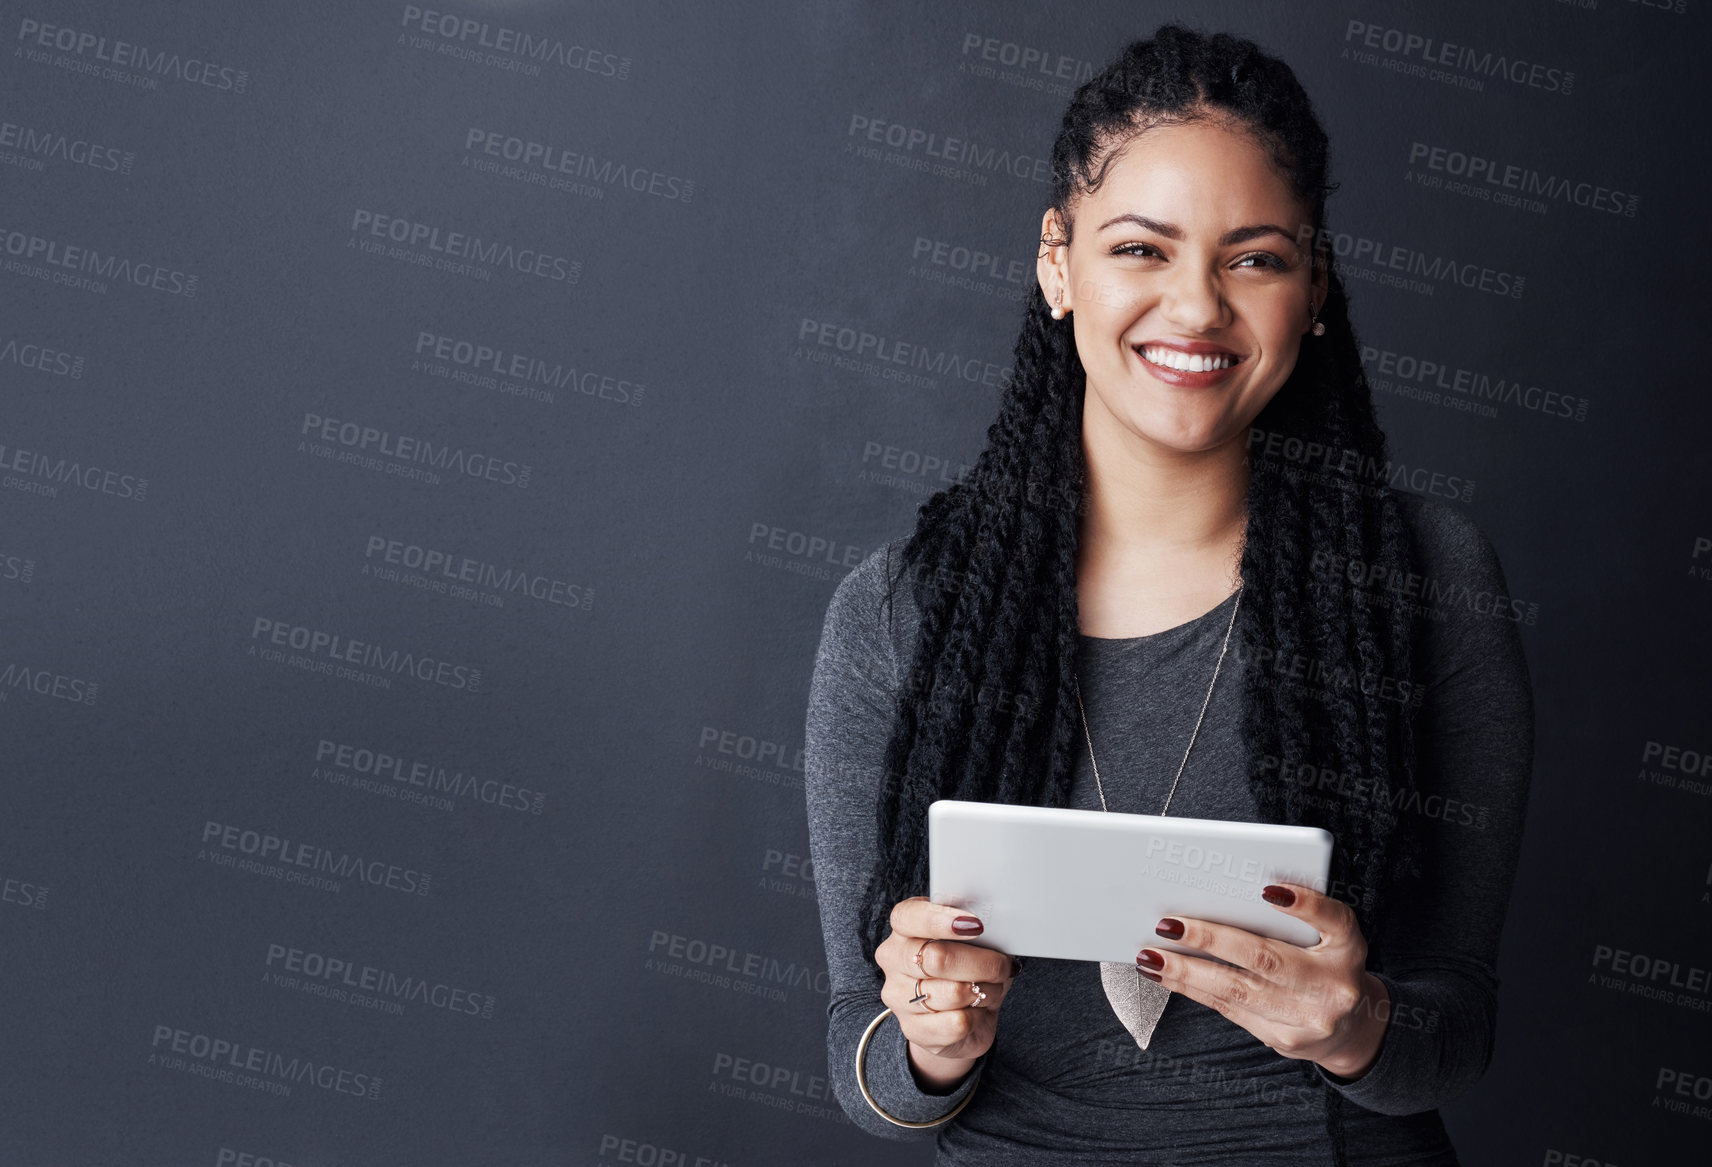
(886, 1069)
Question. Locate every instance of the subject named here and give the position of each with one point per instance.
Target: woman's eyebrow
(1172, 231)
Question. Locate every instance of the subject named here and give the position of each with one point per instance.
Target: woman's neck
(1160, 540)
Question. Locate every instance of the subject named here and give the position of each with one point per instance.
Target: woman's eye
(1266, 258)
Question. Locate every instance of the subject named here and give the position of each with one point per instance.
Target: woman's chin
(1177, 434)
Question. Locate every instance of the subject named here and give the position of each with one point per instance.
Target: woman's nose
(1193, 300)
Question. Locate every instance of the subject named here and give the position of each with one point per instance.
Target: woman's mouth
(1194, 370)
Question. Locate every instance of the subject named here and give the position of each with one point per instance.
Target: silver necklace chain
(1100, 786)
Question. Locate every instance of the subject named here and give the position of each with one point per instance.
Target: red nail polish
(1282, 896)
(967, 926)
(1147, 958)
(1170, 929)
(1154, 977)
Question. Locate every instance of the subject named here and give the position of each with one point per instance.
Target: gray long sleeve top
(1064, 1082)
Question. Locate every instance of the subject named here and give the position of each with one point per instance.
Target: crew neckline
(1164, 632)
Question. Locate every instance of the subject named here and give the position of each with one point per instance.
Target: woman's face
(1187, 250)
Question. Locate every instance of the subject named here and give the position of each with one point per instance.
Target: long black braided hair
(992, 560)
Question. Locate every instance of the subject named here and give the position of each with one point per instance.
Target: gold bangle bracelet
(862, 1082)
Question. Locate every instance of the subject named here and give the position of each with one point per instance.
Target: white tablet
(1093, 885)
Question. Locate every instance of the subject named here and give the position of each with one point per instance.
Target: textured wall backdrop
(430, 437)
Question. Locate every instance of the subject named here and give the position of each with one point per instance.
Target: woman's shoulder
(869, 605)
(1472, 624)
(1442, 529)
(871, 588)
(1453, 558)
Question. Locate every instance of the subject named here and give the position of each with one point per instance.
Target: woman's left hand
(1318, 1003)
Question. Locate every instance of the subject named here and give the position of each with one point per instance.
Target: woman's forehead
(1198, 175)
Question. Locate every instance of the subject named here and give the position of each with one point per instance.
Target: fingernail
(1282, 896)
(966, 926)
(1016, 966)
(1147, 958)
(1154, 977)
(1170, 929)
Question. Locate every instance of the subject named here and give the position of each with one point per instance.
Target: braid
(987, 708)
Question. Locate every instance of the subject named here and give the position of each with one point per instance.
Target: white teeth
(1188, 362)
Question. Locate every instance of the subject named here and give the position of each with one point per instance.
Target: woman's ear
(1052, 263)
(1321, 289)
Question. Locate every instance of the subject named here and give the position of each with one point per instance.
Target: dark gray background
(662, 722)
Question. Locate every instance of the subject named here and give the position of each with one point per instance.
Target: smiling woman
(1139, 596)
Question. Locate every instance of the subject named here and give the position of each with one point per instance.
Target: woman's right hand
(964, 984)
